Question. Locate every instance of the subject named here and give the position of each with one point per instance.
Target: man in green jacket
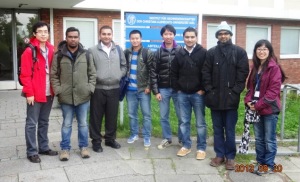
(73, 78)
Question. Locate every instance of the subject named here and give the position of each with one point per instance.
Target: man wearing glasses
(34, 77)
(224, 74)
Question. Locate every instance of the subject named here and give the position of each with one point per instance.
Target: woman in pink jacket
(264, 84)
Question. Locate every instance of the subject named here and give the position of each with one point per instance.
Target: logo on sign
(131, 19)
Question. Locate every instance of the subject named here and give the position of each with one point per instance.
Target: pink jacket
(270, 85)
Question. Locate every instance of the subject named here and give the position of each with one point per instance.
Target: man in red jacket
(36, 88)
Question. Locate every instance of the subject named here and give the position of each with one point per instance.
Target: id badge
(256, 94)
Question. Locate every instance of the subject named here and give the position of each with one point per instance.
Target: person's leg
(145, 104)
(111, 114)
(199, 110)
(164, 106)
(132, 107)
(270, 122)
(177, 110)
(33, 112)
(260, 146)
(230, 123)
(81, 116)
(97, 108)
(43, 124)
(218, 127)
(66, 129)
(185, 113)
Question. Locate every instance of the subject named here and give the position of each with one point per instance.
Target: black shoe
(113, 144)
(97, 148)
(49, 152)
(34, 159)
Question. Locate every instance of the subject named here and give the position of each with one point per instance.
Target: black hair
(167, 27)
(38, 25)
(257, 63)
(72, 29)
(190, 29)
(135, 32)
(105, 27)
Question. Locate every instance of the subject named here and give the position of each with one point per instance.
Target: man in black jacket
(224, 75)
(161, 83)
(187, 81)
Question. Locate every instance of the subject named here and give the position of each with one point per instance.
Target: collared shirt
(190, 51)
(106, 48)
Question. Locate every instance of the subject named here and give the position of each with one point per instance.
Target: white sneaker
(164, 144)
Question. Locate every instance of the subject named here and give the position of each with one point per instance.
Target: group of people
(193, 77)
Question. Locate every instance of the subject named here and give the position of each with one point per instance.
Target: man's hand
(147, 91)
(158, 97)
(30, 100)
(201, 92)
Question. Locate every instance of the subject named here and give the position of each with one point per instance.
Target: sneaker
(164, 143)
(183, 152)
(84, 153)
(147, 142)
(132, 138)
(64, 155)
(200, 155)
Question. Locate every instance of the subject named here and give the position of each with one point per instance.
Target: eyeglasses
(42, 32)
(224, 33)
(262, 50)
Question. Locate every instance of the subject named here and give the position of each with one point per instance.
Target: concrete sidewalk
(130, 163)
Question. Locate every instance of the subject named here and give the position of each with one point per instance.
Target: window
(254, 34)
(117, 31)
(87, 27)
(289, 42)
(211, 35)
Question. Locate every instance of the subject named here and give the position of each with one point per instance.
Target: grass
(290, 130)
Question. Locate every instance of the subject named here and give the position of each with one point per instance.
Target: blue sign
(150, 25)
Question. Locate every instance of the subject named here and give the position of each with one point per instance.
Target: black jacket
(186, 70)
(224, 75)
(161, 68)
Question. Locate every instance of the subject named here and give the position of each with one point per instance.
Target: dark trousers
(224, 122)
(37, 118)
(104, 103)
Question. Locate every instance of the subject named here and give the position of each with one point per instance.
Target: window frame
(233, 30)
(290, 56)
(94, 20)
(250, 55)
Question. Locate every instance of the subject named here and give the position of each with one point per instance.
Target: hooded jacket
(186, 70)
(270, 85)
(161, 67)
(73, 81)
(224, 75)
(33, 75)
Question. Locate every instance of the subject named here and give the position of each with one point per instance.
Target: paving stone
(8, 152)
(44, 176)
(5, 133)
(164, 166)
(108, 154)
(177, 178)
(192, 166)
(245, 176)
(293, 176)
(101, 170)
(5, 126)
(128, 178)
(12, 141)
(210, 178)
(143, 167)
(9, 178)
(13, 167)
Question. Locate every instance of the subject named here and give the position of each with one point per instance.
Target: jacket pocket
(233, 99)
(211, 99)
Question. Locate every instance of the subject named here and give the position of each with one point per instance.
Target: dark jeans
(37, 118)
(104, 103)
(224, 122)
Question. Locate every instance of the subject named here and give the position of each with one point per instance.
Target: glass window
(254, 34)
(289, 41)
(87, 27)
(211, 35)
(117, 31)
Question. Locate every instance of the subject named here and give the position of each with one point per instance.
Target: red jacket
(270, 85)
(35, 85)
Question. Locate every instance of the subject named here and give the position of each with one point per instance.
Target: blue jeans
(224, 143)
(187, 102)
(134, 98)
(66, 130)
(265, 139)
(37, 119)
(164, 105)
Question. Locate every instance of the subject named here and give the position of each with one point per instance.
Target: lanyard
(258, 76)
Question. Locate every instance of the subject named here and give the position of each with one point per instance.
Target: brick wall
(290, 66)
